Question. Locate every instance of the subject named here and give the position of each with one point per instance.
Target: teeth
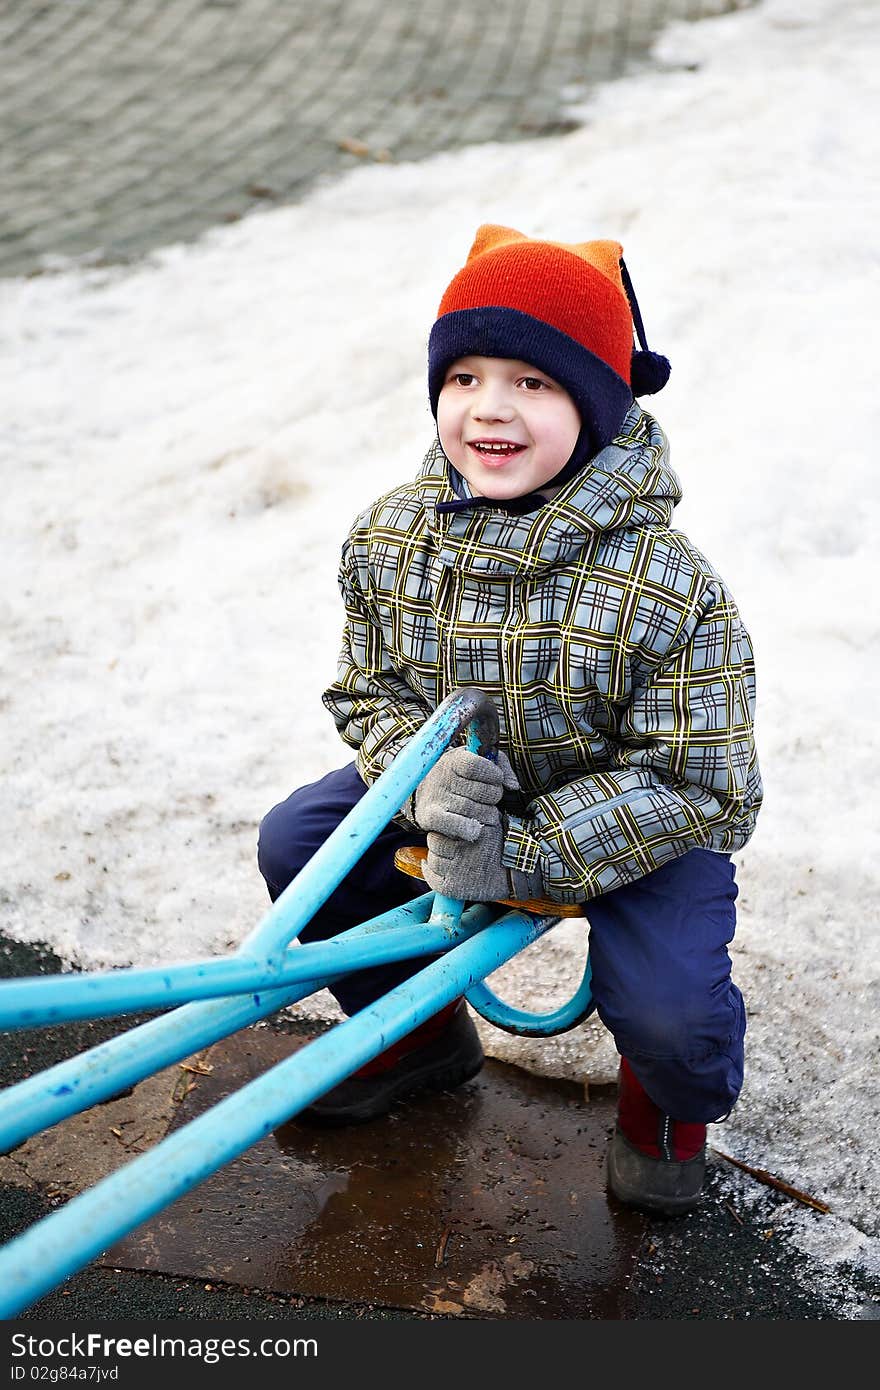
(496, 448)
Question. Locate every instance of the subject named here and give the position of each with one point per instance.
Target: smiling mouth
(495, 448)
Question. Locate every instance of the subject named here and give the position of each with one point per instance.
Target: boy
(533, 558)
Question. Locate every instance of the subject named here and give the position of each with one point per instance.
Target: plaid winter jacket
(622, 674)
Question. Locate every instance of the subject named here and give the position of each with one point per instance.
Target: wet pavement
(126, 125)
(488, 1200)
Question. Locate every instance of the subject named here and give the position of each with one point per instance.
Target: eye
(463, 378)
(534, 383)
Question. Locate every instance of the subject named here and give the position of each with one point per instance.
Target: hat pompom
(649, 372)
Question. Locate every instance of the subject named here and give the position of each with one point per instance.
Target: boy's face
(505, 425)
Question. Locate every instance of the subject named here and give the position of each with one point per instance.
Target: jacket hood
(627, 484)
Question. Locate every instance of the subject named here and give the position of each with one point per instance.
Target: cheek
(563, 430)
(448, 424)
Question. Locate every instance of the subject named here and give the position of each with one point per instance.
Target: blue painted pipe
(123, 1061)
(71, 1237)
(475, 945)
(101, 1072)
(43, 1000)
(480, 997)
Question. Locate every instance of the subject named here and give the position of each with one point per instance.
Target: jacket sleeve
(688, 772)
(373, 708)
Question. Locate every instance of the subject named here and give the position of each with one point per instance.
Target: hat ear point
(649, 372)
(491, 234)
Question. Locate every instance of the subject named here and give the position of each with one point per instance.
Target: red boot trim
(687, 1140)
(419, 1037)
(637, 1115)
(647, 1128)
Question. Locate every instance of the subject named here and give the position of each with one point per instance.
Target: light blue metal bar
(71, 1237)
(528, 1025)
(480, 996)
(101, 1072)
(43, 1000)
(481, 737)
(469, 950)
(125, 1060)
(520, 1021)
(343, 848)
(82, 1081)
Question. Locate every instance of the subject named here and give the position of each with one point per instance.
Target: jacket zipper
(608, 805)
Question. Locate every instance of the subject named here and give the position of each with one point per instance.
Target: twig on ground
(441, 1247)
(763, 1176)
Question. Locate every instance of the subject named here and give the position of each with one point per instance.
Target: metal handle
(529, 1025)
(482, 737)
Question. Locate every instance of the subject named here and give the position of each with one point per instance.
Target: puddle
(487, 1201)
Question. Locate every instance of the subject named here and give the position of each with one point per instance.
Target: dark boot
(440, 1054)
(654, 1162)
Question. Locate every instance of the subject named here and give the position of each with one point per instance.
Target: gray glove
(471, 872)
(459, 796)
(474, 872)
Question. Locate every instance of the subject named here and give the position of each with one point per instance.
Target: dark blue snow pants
(658, 947)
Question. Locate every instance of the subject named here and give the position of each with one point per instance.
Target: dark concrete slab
(488, 1201)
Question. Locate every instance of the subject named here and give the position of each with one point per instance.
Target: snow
(186, 441)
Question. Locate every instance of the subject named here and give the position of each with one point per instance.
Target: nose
(492, 402)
